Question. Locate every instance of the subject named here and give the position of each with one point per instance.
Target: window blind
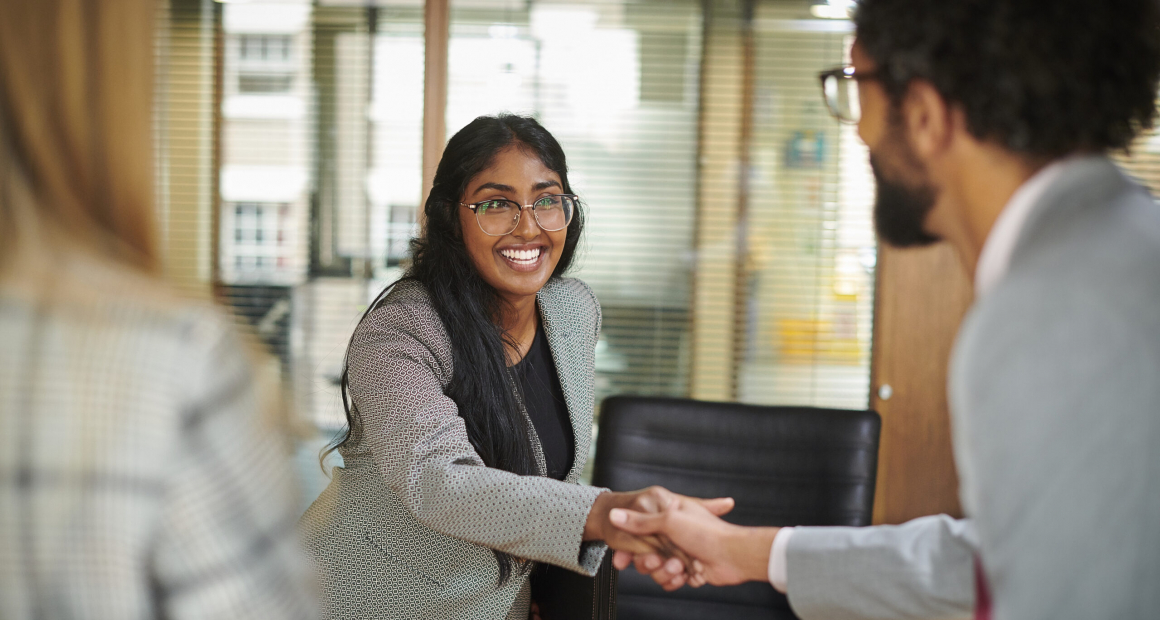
(185, 141)
(810, 242)
(1143, 160)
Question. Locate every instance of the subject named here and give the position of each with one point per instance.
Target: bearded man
(989, 123)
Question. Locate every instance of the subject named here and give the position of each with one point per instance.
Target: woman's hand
(534, 612)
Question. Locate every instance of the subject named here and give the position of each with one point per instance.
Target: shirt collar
(995, 259)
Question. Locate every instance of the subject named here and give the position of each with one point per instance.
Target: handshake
(679, 540)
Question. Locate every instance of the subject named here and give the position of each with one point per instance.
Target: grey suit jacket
(1055, 404)
(407, 527)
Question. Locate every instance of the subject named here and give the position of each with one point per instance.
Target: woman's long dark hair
(469, 307)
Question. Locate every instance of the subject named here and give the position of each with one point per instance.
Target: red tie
(982, 593)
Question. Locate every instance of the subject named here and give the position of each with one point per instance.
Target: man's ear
(928, 120)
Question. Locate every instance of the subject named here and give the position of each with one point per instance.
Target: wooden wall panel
(922, 295)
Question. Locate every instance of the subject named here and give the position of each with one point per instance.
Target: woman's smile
(524, 258)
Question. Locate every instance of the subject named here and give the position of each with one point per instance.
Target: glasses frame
(845, 72)
(475, 209)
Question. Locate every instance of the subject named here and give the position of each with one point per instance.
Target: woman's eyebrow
(496, 186)
(500, 187)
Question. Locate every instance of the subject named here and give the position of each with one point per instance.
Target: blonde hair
(76, 148)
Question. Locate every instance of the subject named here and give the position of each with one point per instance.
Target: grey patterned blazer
(406, 528)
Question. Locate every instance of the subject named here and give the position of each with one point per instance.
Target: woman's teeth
(522, 256)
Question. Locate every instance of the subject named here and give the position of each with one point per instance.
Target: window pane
(810, 242)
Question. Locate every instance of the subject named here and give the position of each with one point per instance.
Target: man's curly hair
(1044, 78)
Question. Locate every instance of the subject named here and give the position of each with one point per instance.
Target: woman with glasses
(470, 385)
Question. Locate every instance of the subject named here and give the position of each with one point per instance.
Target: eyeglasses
(840, 91)
(500, 216)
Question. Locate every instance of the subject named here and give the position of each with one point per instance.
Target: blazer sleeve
(923, 568)
(399, 362)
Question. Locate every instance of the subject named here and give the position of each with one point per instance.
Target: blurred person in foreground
(136, 480)
(988, 124)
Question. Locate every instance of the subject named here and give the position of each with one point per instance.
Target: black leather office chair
(782, 465)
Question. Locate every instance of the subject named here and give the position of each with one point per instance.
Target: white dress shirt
(994, 260)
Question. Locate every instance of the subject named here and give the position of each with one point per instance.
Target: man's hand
(651, 500)
(725, 554)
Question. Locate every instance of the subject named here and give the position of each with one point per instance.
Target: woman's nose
(527, 227)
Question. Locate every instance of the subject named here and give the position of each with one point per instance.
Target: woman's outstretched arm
(400, 361)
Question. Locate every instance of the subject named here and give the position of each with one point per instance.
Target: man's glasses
(500, 216)
(840, 91)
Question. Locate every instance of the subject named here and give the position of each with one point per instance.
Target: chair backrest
(782, 465)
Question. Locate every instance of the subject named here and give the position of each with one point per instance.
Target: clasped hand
(710, 549)
(652, 549)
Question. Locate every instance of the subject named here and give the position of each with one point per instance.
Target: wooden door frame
(921, 296)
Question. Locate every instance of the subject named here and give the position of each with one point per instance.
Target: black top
(544, 400)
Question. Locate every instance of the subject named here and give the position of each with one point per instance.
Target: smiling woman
(471, 387)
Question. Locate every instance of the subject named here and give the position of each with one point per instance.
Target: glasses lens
(497, 217)
(841, 95)
(554, 212)
(830, 93)
(851, 109)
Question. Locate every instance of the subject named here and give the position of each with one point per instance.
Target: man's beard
(900, 210)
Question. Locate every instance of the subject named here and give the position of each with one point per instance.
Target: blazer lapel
(559, 328)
